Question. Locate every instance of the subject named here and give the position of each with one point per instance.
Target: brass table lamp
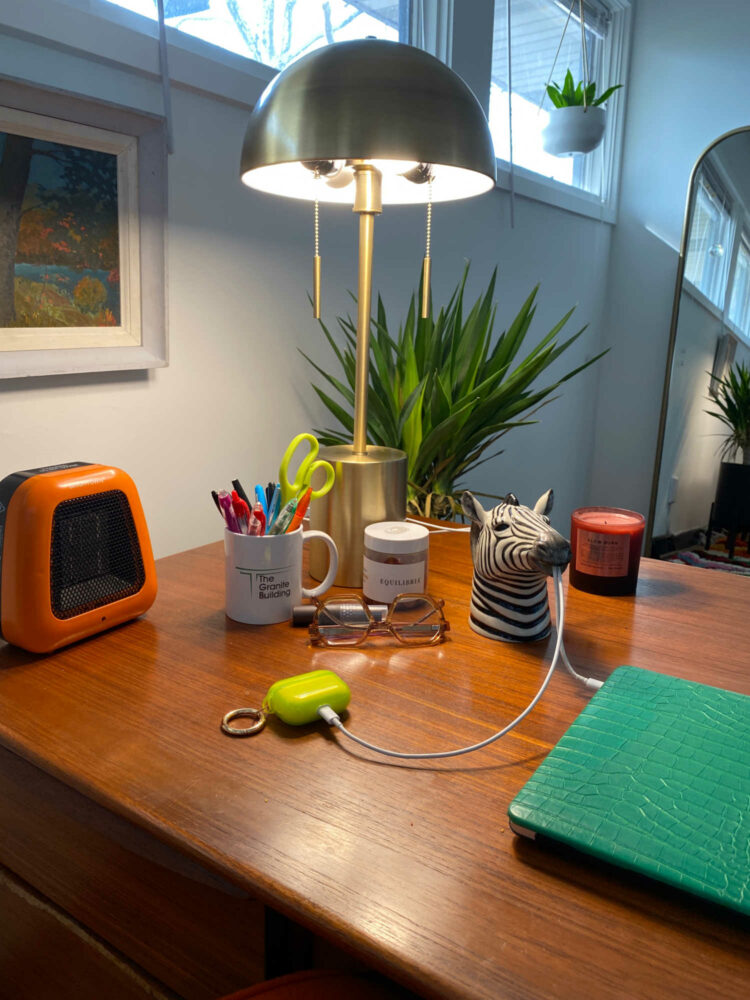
(362, 123)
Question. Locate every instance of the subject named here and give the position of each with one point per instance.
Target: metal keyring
(236, 713)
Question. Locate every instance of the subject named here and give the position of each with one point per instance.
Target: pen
(238, 486)
(215, 496)
(273, 507)
(260, 516)
(225, 501)
(284, 519)
(300, 511)
(269, 494)
(241, 512)
(260, 496)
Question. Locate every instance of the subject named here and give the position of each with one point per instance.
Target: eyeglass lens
(415, 619)
(342, 623)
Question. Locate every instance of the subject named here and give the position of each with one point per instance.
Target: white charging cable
(434, 530)
(328, 715)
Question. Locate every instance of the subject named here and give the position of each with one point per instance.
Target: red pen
(261, 517)
(241, 512)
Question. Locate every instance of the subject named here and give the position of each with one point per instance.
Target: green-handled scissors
(307, 468)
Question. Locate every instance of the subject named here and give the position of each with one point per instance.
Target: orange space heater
(75, 556)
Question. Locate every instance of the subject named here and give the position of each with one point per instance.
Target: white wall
(689, 83)
(239, 270)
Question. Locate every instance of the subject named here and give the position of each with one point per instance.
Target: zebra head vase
(514, 550)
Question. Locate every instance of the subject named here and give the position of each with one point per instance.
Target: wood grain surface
(409, 865)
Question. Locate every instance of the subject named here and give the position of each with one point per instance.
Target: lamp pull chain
(427, 262)
(316, 262)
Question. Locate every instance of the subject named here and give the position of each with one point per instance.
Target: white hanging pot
(573, 130)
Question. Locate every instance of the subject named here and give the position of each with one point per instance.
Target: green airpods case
(296, 700)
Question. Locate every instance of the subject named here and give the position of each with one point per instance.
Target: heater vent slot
(95, 555)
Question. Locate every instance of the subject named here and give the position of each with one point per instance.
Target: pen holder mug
(263, 575)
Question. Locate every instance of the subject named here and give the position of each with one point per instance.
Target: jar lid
(396, 536)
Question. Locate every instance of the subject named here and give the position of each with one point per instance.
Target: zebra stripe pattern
(514, 550)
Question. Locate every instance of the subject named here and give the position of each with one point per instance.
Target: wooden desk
(409, 867)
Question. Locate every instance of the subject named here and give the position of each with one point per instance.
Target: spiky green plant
(733, 400)
(570, 95)
(442, 391)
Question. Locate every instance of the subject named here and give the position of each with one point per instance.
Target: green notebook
(654, 775)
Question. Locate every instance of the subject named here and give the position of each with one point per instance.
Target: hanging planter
(573, 130)
(578, 119)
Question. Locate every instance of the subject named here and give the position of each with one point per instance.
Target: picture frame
(114, 318)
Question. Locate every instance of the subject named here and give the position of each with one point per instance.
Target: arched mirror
(697, 492)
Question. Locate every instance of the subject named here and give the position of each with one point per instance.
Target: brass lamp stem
(368, 204)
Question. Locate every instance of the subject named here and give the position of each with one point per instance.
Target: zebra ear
(544, 504)
(473, 509)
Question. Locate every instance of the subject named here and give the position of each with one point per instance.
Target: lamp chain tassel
(427, 262)
(316, 263)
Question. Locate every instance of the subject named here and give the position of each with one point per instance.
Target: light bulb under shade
(293, 180)
(368, 100)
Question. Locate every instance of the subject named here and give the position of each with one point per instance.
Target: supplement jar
(395, 560)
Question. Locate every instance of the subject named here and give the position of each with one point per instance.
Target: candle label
(385, 581)
(602, 555)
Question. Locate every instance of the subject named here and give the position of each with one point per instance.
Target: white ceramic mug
(263, 575)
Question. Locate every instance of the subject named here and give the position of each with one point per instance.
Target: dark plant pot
(732, 505)
(730, 510)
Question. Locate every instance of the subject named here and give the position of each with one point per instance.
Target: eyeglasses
(412, 619)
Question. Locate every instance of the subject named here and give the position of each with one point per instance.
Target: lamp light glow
(294, 180)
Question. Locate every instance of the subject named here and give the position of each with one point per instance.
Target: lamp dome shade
(371, 100)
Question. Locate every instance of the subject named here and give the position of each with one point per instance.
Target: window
(275, 32)
(710, 242)
(472, 38)
(536, 32)
(739, 303)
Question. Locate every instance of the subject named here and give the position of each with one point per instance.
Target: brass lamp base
(369, 487)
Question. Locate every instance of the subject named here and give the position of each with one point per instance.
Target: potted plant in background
(441, 391)
(732, 396)
(731, 508)
(576, 123)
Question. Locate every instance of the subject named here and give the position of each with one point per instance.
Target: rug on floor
(717, 557)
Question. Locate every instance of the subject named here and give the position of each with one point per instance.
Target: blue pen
(273, 507)
(260, 496)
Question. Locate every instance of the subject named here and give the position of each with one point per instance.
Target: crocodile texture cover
(654, 775)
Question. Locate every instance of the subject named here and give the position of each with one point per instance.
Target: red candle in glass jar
(606, 544)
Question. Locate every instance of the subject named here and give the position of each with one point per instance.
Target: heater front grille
(95, 556)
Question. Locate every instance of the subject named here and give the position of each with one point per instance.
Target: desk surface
(409, 865)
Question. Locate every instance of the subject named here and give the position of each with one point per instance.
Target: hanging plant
(577, 121)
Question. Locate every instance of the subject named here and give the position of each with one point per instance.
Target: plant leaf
(607, 94)
(441, 390)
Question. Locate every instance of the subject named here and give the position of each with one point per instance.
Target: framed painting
(82, 234)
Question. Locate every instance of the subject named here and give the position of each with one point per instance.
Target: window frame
(742, 242)
(528, 183)
(739, 221)
(469, 44)
(710, 182)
